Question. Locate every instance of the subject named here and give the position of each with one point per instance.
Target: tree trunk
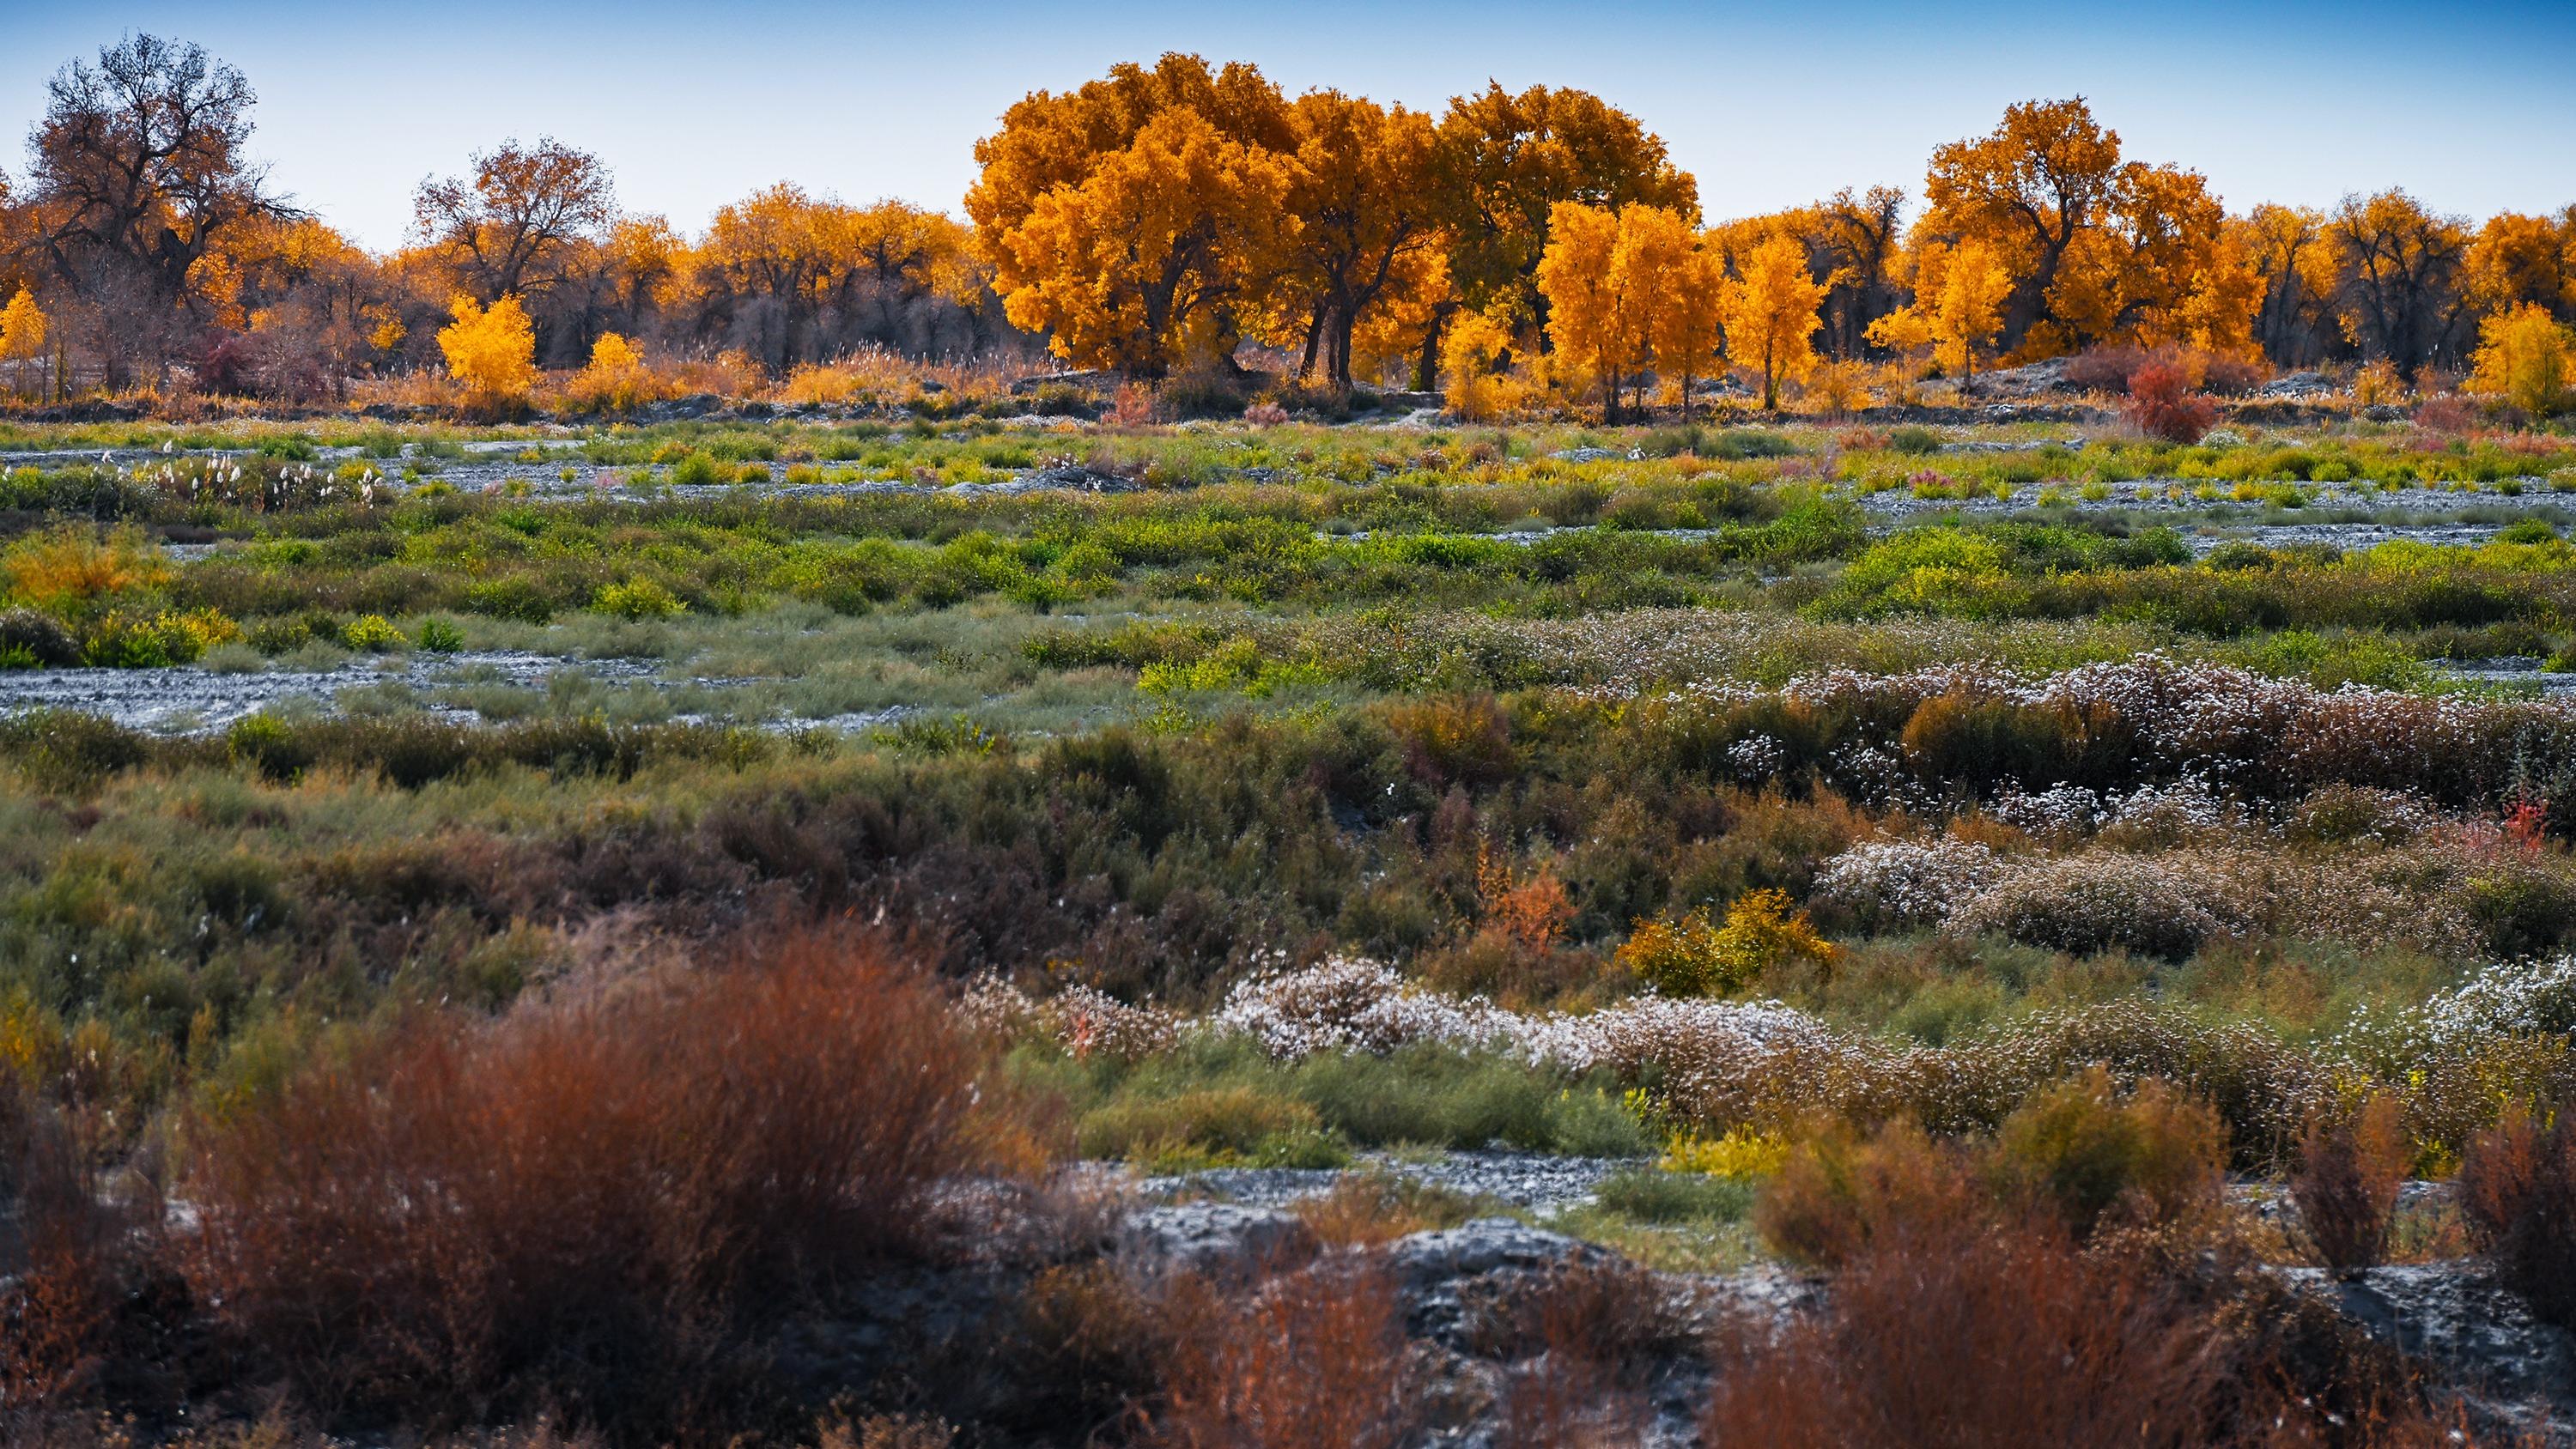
(1426, 368)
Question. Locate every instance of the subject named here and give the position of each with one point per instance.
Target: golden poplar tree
(1690, 322)
(22, 329)
(1369, 228)
(1587, 318)
(1770, 310)
(2523, 357)
(1970, 310)
(1138, 267)
(491, 350)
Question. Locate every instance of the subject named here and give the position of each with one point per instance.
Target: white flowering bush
(2100, 901)
(1345, 1004)
(1888, 883)
(2513, 998)
(1080, 1019)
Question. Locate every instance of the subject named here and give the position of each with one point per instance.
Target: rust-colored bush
(2345, 1184)
(1581, 1346)
(584, 1200)
(63, 1249)
(1314, 1360)
(1968, 1335)
(1838, 1196)
(2517, 1188)
(2448, 416)
(2163, 405)
(2106, 367)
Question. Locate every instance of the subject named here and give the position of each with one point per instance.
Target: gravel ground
(1520, 1179)
(196, 701)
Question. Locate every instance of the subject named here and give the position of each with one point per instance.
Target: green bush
(1216, 1125)
(696, 470)
(36, 640)
(639, 599)
(2087, 1152)
(439, 636)
(1653, 1196)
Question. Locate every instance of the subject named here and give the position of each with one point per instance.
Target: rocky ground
(2478, 1342)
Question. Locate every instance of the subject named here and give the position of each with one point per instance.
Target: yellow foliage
(617, 378)
(2130, 252)
(22, 327)
(1743, 1154)
(1360, 180)
(1839, 388)
(2378, 383)
(1625, 289)
(1469, 352)
(1691, 957)
(2523, 358)
(66, 571)
(1127, 269)
(1771, 315)
(492, 351)
(2518, 259)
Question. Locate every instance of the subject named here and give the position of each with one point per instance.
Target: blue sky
(2469, 105)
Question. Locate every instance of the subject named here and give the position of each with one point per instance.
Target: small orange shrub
(1958, 1335)
(1531, 910)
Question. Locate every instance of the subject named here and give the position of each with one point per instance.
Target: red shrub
(2163, 405)
(1988, 1337)
(2518, 1191)
(2448, 416)
(2345, 1186)
(580, 1201)
(56, 1249)
(1315, 1360)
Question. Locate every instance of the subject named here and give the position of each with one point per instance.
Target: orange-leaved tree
(1141, 266)
(1770, 310)
(492, 350)
(2517, 259)
(1686, 327)
(2399, 265)
(1958, 307)
(1590, 318)
(2098, 249)
(1137, 217)
(1370, 227)
(1507, 160)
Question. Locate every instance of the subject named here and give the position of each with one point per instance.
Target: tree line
(1155, 220)
(150, 241)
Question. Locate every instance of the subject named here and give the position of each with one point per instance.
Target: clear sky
(2472, 106)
